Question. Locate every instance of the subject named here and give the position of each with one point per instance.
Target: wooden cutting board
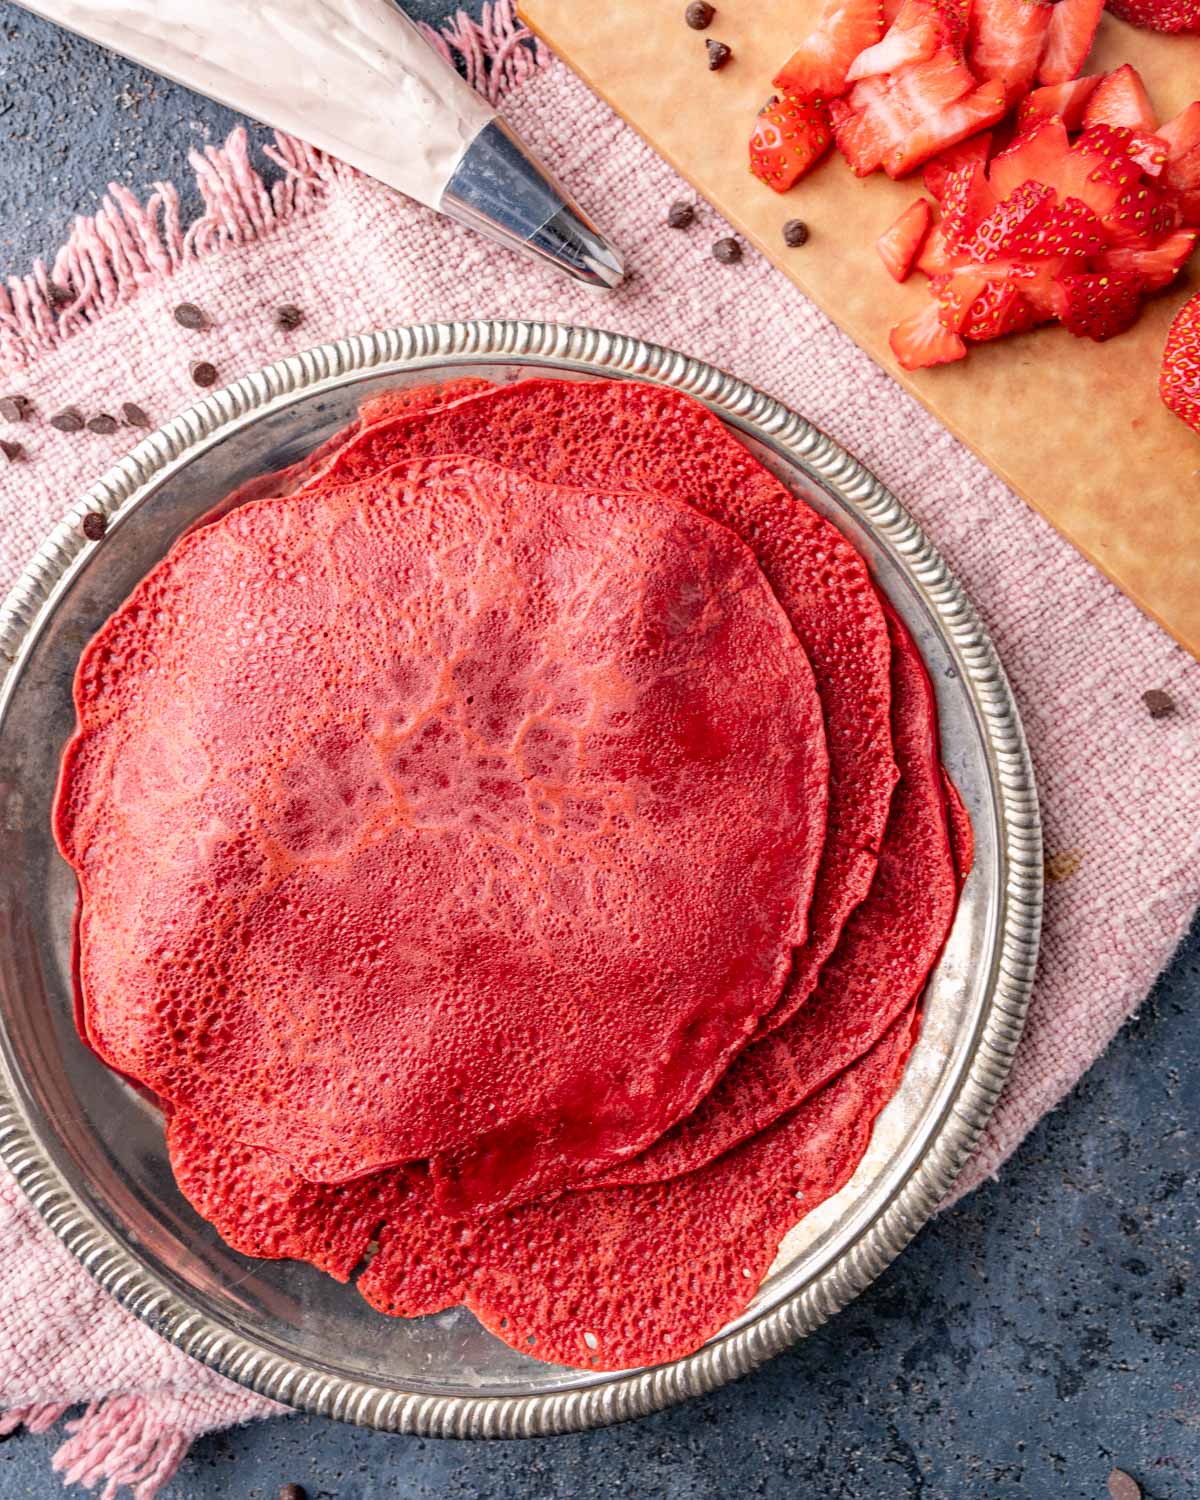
(1075, 427)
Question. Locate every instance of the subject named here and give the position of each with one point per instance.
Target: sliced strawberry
(1006, 41)
(900, 245)
(1099, 304)
(967, 200)
(1142, 212)
(1157, 264)
(818, 66)
(1066, 100)
(1121, 99)
(1159, 15)
(920, 28)
(1179, 381)
(1035, 156)
(1068, 39)
(998, 310)
(938, 129)
(973, 151)
(1181, 173)
(857, 137)
(1182, 134)
(790, 136)
(1011, 224)
(936, 257)
(921, 341)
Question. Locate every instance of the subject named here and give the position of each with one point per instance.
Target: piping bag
(358, 80)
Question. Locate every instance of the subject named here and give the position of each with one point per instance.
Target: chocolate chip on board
(1160, 705)
(699, 15)
(719, 54)
(795, 232)
(681, 214)
(728, 251)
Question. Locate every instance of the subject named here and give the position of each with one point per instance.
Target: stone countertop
(1042, 1332)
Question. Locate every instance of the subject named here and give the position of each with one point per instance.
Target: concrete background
(1035, 1336)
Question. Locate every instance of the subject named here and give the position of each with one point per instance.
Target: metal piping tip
(501, 191)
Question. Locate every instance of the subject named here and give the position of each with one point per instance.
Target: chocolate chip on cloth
(1160, 705)
(14, 452)
(1122, 1486)
(680, 214)
(728, 251)
(15, 408)
(188, 315)
(70, 419)
(134, 415)
(288, 317)
(103, 424)
(719, 54)
(204, 373)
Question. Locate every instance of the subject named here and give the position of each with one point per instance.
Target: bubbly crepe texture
(445, 812)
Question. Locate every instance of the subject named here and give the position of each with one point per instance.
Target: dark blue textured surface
(1040, 1333)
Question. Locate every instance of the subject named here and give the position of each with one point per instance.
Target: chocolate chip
(1060, 867)
(15, 408)
(14, 452)
(680, 214)
(204, 373)
(718, 54)
(94, 525)
(58, 296)
(188, 315)
(1160, 704)
(795, 232)
(288, 316)
(698, 15)
(103, 424)
(70, 419)
(133, 414)
(1122, 1486)
(728, 251)
(293, 1492)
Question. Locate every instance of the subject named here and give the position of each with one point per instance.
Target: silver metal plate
(89, 1152)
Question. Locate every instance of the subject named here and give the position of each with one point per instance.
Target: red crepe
(627, 433)
(879, 966)
(603, 1278)
(452, 813)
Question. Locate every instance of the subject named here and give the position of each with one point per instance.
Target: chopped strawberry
(1181, 173)
(1035, 156)
(1159, 15)
(936, 257)
(1006, 42)
(1157, 264)
(899, 246)
(996, 309)
(967, 200)
(921, 114)
(790, 136)
(1141, 213)
(1121, 99)
(1099, 304)
(920, 29)
(1032, 225)
(1069, 39)
(973, 151)
(1066, 100)
(818, 66)
(1182, 134)
(1179, 381)
(922, 340)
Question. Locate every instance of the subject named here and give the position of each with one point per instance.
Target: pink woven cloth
(1120, 791)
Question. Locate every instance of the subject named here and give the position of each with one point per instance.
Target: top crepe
(443, 811)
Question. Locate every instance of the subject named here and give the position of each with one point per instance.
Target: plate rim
(405, 349)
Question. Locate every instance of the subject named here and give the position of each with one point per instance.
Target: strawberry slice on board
(819, 64)
(1181, 174)
(1066, 100)
(971, 152)
(1157, 264)
(1098, 304)
(967, 200)
(1068, 39)
(979, 306)
(924, 340)
(1179, 380)
(900, 245)
(1120, 98)
(790, 136)
(919, 29)
(1007, 38)
(1159, 15)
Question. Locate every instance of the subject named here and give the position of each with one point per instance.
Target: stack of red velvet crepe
(512, 845)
